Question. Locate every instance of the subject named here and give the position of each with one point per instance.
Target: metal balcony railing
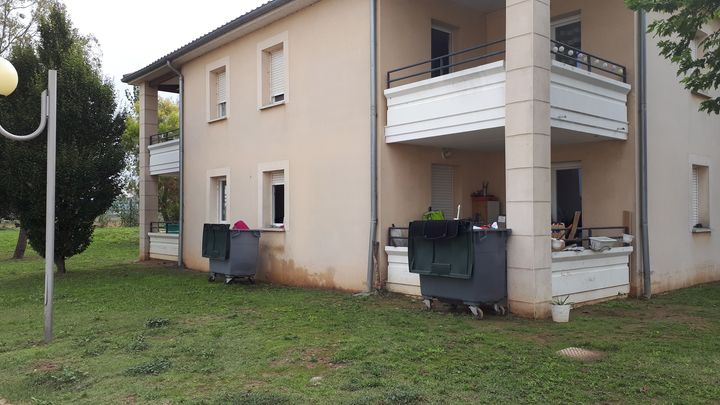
(485, 52)
(560, 51)
(165, 136)
(577, 57)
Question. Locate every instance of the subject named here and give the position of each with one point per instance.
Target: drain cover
(581, 354)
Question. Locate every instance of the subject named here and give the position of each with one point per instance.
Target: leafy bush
(138, 344)
(154, 323)
(58, 379)
(154, 367)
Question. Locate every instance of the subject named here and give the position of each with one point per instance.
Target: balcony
(466, 107)
(164, 151)
(164, 238)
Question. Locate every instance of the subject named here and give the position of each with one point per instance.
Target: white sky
(134, 33)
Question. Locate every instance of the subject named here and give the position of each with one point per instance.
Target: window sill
(701, 230)
(217, 119)
(267, 106)
(272, 229)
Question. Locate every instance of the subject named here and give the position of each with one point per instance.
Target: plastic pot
(561, 313)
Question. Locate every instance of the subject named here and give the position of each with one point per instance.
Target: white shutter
(277, 178)
(221, 87)
(277, 72)
(442, 190)
(695, 197)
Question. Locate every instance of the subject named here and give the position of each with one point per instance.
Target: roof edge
(207, 38)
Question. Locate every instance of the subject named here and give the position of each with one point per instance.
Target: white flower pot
(561, 313)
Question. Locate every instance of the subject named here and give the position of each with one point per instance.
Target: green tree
(678, 28)
(18, 26)
(89, 155)
(168, 186)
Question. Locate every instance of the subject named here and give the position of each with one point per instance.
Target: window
(277, 180)
(699, 197)
(566, 184)
(218, 89)
(442, 193)
(277, 75)
(221, 96)
(440, 48)
(273, 71)
(222, 200)
(218, 197)
(568, 31)
(273, 195)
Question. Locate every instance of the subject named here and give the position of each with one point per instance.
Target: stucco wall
(322, 131)
(677, 134)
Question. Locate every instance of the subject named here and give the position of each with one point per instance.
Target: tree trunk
(60, 264)
(21, 244)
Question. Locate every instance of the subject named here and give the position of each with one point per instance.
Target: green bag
(433, 216)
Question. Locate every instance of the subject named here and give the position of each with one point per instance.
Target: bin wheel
(477, 312)
(228, 280)
(499, 309)
(211, 278)
(428, 304)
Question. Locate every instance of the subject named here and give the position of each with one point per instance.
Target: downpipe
(373, 147)
(643, 159)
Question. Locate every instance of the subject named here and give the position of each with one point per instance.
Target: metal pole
(50, 204)
(48, 113)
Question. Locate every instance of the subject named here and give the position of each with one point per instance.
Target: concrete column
(148, 184)
(527, 156)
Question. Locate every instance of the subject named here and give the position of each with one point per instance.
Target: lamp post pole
(48, 114)
(50, 205)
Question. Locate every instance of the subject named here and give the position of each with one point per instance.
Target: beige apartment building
(327, 122)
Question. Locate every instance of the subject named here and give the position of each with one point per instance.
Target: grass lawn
(137, 333)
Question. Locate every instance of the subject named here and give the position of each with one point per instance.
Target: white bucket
(561, 313)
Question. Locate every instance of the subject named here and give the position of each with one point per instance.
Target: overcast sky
(134, 33)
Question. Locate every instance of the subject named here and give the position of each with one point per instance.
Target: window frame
(212, 72)
(265, 49)
(222, 199)
(266, 200)
(213, 211)
(703, 189)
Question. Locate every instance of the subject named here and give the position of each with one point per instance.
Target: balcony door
(440, 47)
(566, 191)
(569, 32)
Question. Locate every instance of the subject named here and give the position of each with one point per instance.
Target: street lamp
(48, 113)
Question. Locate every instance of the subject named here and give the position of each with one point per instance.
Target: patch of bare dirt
(650, 313)
(44, 366)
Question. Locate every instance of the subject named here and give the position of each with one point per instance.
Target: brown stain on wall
(274, 267)
(695, 275)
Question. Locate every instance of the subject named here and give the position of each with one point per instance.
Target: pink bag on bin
(240, 225)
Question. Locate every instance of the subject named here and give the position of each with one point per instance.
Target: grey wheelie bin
(233, 253)
(460, 265)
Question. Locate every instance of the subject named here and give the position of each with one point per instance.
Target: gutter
(643, 158)
(373, 146)
(181, 108)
